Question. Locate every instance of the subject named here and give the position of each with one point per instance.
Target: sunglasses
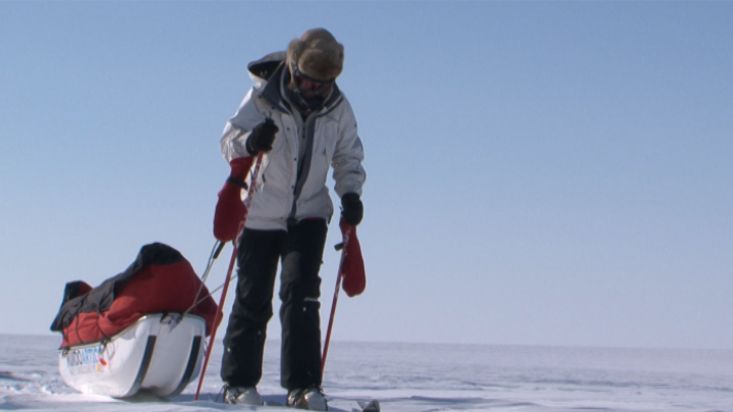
(306, 82)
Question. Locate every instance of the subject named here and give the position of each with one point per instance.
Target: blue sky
(538, 172)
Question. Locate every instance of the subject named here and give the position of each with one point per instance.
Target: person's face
(311, 88)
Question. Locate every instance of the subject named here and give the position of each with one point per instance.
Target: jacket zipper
(308, 131)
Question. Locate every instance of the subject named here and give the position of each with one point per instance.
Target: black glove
(352, 210)
(262, 136)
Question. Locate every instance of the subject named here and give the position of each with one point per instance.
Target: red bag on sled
(159, 280)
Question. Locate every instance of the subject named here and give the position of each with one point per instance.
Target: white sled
(159, 354)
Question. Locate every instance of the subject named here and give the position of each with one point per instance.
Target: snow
(423, 377)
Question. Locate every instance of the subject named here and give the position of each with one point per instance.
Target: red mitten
(352, 264)
(230, 210)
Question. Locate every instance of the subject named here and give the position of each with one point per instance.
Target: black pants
(301, 249)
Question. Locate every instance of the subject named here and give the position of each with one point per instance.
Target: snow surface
(423, 377)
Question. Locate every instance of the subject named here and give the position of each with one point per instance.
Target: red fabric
(352, 264)
(240, 166)
(155, 289)
(230, 210)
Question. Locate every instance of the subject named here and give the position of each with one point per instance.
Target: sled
(158, 354)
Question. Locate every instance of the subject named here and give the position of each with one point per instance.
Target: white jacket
(329, 137)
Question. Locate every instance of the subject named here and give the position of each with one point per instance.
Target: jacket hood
(269, 75)
(265, 67)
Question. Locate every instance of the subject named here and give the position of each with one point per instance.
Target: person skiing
(296, 115)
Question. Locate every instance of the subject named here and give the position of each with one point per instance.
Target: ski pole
(341, 246)
(217, 320)
(248, 202)
(215, 251)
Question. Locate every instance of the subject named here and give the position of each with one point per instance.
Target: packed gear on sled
(142, 329)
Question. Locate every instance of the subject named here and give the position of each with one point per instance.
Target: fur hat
(316, 54)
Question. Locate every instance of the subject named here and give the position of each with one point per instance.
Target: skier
(296, 115)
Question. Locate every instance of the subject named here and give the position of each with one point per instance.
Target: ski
(370, 406)
(362, 406)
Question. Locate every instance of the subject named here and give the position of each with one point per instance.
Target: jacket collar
(274, 90)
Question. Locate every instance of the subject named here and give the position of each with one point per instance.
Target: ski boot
(311, 399)
(242, 396)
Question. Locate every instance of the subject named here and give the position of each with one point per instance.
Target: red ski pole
(250, 193)
(218, 319)
(339, 278)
